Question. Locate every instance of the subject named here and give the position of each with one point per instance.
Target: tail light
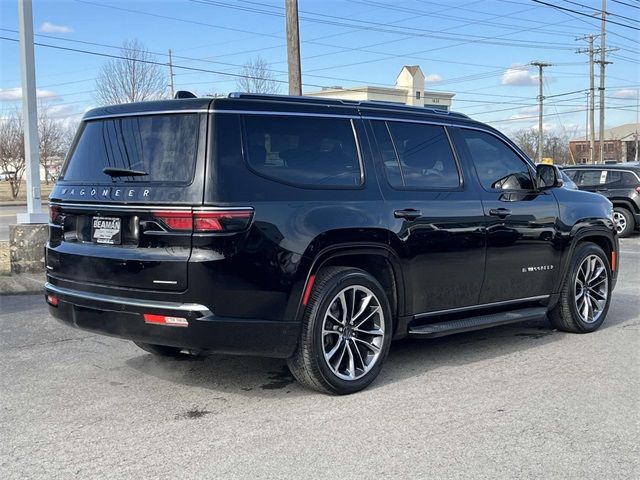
(54, 214)
(638, 189)
(205, 221)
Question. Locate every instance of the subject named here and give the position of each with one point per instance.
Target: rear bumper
(123, 317)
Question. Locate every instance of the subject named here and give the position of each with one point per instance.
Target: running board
(440, 329)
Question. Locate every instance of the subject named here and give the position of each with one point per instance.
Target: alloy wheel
(591, 288)
(620, 221)
(353, 332)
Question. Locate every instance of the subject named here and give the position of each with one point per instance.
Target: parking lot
(518, 401)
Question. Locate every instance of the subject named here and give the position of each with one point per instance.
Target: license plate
(106, 230)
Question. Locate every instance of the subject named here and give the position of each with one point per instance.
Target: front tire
(346, 332)
(586, 293)
(625, 224)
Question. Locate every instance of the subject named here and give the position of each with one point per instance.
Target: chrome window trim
(109, 206)
(183, 307)
(140, 114)
(482, 305)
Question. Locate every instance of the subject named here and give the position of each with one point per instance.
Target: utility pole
(541, 66)
(30, 116)
(293, 47)
(171, 74)
(637, 120)
(592, 95)
(602, 78)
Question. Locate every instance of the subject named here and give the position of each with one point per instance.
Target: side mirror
(548, 176)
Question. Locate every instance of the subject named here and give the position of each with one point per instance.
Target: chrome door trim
(482, 305)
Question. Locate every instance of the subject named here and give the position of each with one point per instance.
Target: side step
(440, 329)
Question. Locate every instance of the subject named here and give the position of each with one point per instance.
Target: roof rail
(334, 101)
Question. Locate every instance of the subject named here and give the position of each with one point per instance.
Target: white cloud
(48, 27)
(433, 78)
(15, 94)
(525, 113)
(518, 75)
(625, 93)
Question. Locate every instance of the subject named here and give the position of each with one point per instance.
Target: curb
(22, 284)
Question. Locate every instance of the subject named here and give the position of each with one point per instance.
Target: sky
(477, 49)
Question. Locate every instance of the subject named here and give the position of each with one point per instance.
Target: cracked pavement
(518, 401)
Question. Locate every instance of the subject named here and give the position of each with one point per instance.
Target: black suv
(620, 183)
(315, 230)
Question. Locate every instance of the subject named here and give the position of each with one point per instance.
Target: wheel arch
(377, 259)
(603, 238)
(624, 203)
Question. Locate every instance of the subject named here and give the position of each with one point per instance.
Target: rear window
(305, 151)
(163, 146)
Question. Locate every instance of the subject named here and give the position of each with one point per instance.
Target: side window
(590, 178)
(416, 155)
(614, 179)
(306, 151)
(629, 180)
(572, 174)
(497, 165)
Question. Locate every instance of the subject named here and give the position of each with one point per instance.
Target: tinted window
(164, 146)
(417, 155)
(629, 180)
(498, 166)
(312, 151)
(592, 177)
(571, 174)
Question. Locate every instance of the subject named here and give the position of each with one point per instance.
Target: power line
(627, 4)
(599, 11)
(584, 14)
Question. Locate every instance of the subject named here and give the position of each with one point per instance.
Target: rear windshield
(163, 146)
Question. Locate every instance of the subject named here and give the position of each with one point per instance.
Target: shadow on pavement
(252, 376)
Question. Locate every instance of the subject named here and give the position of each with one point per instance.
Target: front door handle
(500, 212)
(408, 213)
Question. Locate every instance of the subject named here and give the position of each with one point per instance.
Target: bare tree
(12, 159)
(55, 138)
(527, 140)
(257, 77)
(135, 77)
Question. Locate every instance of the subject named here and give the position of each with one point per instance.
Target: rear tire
(625, 223)
(586, 292)
(346, 332)
(160, 350)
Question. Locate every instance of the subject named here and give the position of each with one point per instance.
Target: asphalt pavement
(521, 401)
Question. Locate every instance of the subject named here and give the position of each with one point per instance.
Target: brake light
(638, 189)
(206, 220)
(176, 219)
(222, 220)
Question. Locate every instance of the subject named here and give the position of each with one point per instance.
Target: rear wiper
(123, 172)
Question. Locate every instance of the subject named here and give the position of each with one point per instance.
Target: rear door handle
(500, 212)
(408, 213)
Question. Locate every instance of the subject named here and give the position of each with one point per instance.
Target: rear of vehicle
(130, 235)
(620, 184)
